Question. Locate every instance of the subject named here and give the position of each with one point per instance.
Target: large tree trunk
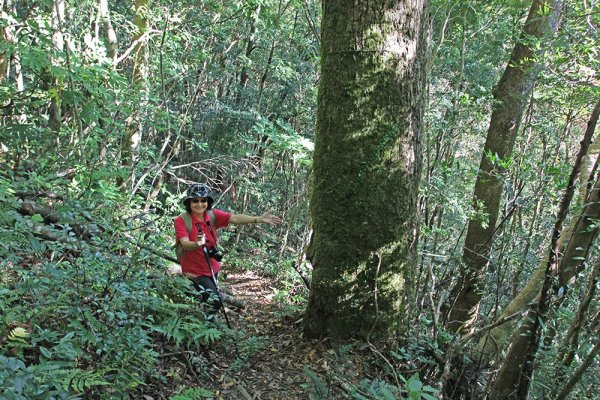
(366, 166)
(510, 99)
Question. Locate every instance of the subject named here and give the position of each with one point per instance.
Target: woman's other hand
(267, 218)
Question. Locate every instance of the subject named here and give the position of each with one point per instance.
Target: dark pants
(208, 292)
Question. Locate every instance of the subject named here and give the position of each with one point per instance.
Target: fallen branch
(32, 208)
(35, 194)
(234, 301)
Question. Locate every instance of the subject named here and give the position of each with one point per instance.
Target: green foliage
(82, 381)
(368, 389)
(88, 325)
(317, 387)
(386, 384)
(20, 382)
(281, 136)
(187, 330)
(195, 393)
(86, 316)
(416, 390)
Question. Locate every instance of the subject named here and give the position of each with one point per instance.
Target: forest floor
(274, 368)
(273, 354)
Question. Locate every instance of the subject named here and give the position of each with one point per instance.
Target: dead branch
(33, 208)
(229, 299)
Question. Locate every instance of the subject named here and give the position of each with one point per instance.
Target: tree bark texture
(111, 35)
(366, 166)
(514, 378)
(58, 40)
(133, 123)
(574, 243)
(510, 98)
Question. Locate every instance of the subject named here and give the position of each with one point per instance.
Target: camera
(215, 253)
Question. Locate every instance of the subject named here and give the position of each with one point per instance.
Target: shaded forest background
(110, 109)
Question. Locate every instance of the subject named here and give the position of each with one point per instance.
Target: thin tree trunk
(263, 78)
(5, 37)
(510, 98)
(532, 226)
(250, 45)
(571, 340)
(18, 71)
(492, 344)
(111, 36)
(513, 379)
(568, 387)
(57, 21)
(134, 126)
(8, 36)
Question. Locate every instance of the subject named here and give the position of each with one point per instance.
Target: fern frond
(82, 380)
(18, 334)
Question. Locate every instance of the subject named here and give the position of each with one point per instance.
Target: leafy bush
(86, 317)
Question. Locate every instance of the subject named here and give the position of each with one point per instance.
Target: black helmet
(199, 190)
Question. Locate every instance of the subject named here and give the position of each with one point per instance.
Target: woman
(197, 239)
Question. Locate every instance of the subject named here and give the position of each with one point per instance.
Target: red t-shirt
(193, 262)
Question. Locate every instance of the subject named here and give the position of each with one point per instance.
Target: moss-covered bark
(366, 166)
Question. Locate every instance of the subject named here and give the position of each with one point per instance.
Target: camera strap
(212, 233)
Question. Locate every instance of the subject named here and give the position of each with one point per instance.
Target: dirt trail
(273, 355)
(273, 350)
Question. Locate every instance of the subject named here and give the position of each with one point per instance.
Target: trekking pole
(214, 278)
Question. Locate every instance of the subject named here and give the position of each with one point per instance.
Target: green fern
(198, 332)
(18, 335)
(171, 329)
(82, 380)
(317, 387)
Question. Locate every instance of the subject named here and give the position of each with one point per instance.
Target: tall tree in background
(139, 81)
(111, 36)
(515, 376)
(58, 40)
(510, 98)
(575, 245)
(366, 165)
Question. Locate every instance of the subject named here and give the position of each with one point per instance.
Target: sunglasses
(199, 200)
